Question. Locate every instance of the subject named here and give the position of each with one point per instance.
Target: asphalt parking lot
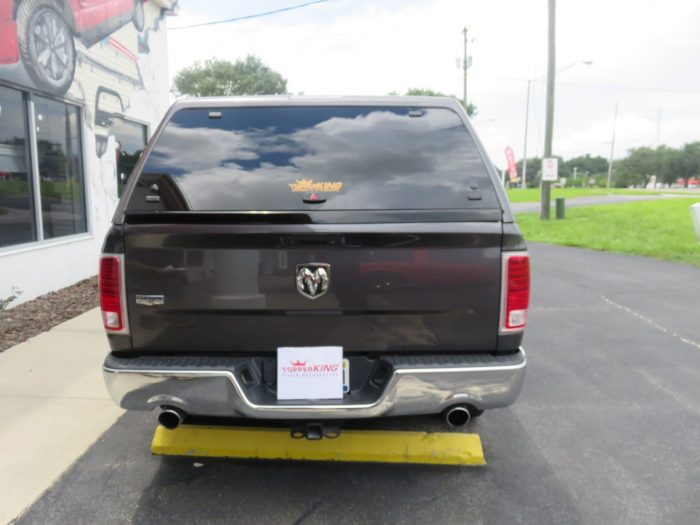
(607, 430)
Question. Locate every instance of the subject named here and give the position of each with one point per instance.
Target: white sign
(310, 372)
(550, 169)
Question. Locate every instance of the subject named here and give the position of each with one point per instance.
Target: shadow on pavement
(118, 481)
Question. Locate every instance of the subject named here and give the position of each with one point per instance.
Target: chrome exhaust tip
(171, 417)
(457, 416)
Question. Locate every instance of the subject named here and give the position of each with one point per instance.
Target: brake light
(516, 291)
(111, 288)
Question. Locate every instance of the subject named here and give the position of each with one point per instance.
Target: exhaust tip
(171, 418)
(457, 416)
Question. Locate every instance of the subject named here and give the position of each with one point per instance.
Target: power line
(632, 88)
(612, 86)
(248, 17)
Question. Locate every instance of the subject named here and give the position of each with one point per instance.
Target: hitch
(315, 430)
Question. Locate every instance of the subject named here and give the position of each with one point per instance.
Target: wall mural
(85, 50)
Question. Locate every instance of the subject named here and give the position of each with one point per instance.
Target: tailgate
(233, 288)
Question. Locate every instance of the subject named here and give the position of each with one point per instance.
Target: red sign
(512, 165)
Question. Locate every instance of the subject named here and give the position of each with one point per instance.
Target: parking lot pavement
(606, 430)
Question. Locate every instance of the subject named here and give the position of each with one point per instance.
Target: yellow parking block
(439, 448)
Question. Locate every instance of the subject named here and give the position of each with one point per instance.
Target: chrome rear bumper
(414, 385)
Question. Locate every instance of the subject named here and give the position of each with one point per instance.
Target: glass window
(131, 139)
(344, 158)
(60, 168)
(16, 209)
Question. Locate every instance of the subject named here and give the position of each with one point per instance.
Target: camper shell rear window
(313, 158)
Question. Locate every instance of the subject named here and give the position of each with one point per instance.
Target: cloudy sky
(645, 53)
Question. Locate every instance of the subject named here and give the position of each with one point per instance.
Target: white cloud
(362, 47)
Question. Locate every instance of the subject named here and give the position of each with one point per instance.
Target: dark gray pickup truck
(313, 260)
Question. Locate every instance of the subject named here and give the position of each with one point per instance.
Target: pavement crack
(651, 322)
(307, 512)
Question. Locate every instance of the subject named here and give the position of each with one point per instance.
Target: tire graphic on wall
(46, 45)
(138, 18)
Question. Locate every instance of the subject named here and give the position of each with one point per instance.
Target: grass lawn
(662, 229)
(533, 194)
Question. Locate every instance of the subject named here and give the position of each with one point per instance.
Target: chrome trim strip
(150, 300)
(410, 391)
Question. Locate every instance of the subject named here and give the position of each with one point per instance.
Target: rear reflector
(516, 291)
(111, 293)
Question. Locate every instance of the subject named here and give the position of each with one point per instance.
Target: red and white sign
(310, 372)
(550, 169)
(512, 165)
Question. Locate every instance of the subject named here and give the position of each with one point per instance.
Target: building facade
(83, 84)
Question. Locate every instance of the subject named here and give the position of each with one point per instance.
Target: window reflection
(385, 158)
(131, 139)
(16, 221)
(60, 168)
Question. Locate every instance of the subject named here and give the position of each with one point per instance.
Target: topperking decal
(307, 185)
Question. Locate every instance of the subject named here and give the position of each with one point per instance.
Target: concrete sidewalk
(54, 406)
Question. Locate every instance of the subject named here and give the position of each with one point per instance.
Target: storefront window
(131, 140)
(16, 210)
(60, 168)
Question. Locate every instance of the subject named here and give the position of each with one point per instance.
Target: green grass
(662, 229)
(533, 194)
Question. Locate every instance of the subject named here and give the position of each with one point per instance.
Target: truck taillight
(515, 297)
(112, 300)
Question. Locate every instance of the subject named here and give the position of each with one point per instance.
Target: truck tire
(46, 45)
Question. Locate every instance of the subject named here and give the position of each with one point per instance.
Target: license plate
(312, 372)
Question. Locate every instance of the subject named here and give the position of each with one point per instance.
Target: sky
(645, 59)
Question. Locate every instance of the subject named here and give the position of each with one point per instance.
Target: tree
(421, 92)
(637, 168)
(670, 164)
(223, 78)
(690, 165)
(587, 163)
(534, 171)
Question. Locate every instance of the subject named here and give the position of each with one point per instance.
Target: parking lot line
(439, 448)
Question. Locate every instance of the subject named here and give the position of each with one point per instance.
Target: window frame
(34, 178)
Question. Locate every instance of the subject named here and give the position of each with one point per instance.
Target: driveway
(606, 430)
(525, 207)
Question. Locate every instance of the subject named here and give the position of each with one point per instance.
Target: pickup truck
(314, 260)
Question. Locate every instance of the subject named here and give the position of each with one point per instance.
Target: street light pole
(465, 65)
(612, 148)
(527, 116)
(549, 123)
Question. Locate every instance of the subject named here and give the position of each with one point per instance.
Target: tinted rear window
(346, 158)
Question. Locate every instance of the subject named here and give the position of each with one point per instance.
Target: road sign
(550, 169)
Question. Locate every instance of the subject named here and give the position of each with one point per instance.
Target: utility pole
(523, 182)
(612, 148)
(546, 191)
(465, 65)
(527, 114)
